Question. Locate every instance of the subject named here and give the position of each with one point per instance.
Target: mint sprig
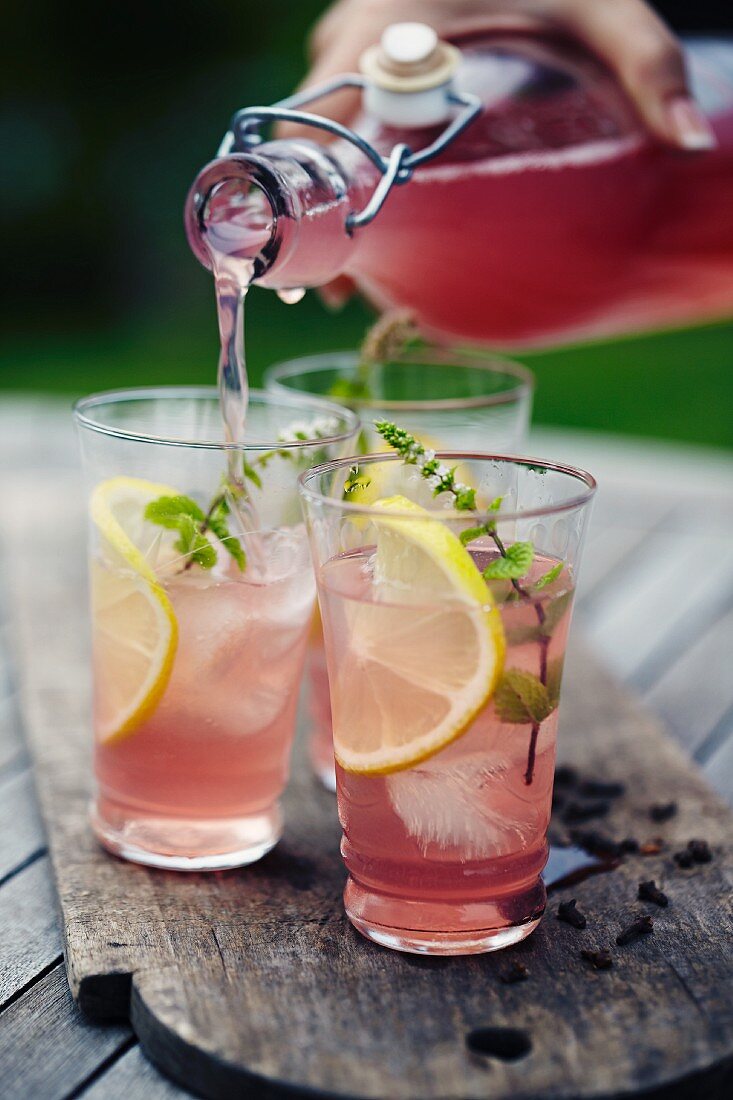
(526, 697)
(181, 513)
(440, 478)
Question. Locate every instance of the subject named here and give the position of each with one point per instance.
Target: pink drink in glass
(201, 776)
(446, 856)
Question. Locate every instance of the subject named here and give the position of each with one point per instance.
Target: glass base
(429, 928)
(186, 844)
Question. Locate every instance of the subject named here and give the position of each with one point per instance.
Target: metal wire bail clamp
(244, 135)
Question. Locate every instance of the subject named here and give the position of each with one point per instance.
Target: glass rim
(316, 496)
(300, 403)
(466, 358)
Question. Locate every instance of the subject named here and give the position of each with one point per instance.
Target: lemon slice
(134, 626)
(423, 660)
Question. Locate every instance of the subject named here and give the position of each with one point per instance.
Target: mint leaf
(167, 511)
(180, 513)
(495, 504)
(201, 551)
(219, 523)
(355, 480)
(522, 698)
(472, 533)
(191, 541)
(250, 472)
(515, 564)
(555, 611)
(550, 576)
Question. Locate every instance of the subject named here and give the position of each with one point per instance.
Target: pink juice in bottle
(446, 856)
(553, 217)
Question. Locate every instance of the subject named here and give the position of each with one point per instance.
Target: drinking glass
(450, 398)
(202, 598)
(445, 633)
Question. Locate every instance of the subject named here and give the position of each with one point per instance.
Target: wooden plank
(12, 748)
(253, 983)
(132, 1077)
(21, 832)
(47, 1047)
(29, 930)
(663, 593)
(606, 553)
(696, 690)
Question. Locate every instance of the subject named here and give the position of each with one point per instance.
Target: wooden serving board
(252, 983)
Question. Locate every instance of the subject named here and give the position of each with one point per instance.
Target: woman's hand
(633, 41)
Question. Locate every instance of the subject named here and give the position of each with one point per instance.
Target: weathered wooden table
(656, 600)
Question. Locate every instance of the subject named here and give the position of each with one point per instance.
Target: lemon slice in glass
(422, 659)
(134, 626)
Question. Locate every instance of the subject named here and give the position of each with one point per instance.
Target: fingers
(649, 63)
(337, 43)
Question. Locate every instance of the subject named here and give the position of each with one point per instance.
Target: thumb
(650, 64)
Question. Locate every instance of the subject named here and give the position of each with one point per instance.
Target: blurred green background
(107, 114)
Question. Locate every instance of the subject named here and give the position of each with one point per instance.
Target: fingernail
(689, 124)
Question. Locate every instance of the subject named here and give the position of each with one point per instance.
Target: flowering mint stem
(442, 479)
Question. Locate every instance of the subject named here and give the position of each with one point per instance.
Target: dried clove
(577, 812)
(683, 859)
(642, 926)
(565, 776)
(568, 911)
(700, 851)
(662, 811)
(630, 845)
(649, 891)
(596, 844)
(596, 788)
(599, 960)
(515, 972)
(651, 847)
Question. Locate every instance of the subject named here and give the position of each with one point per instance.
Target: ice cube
(462, 804)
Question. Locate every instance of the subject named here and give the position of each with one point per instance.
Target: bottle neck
(280, 211)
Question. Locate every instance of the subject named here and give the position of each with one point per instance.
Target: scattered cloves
(596, 844)
(568, 911)
(577, 812)
(700, 851)
(515, 972)
(649, 891)
(565, 776)
(630, 845)
(596, 788)
(599, 960)
(642, 926)
(683, 859)
(662, 811)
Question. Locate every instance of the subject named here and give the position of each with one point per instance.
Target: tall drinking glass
(445, 635)
(451, 399)
(202, 597)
